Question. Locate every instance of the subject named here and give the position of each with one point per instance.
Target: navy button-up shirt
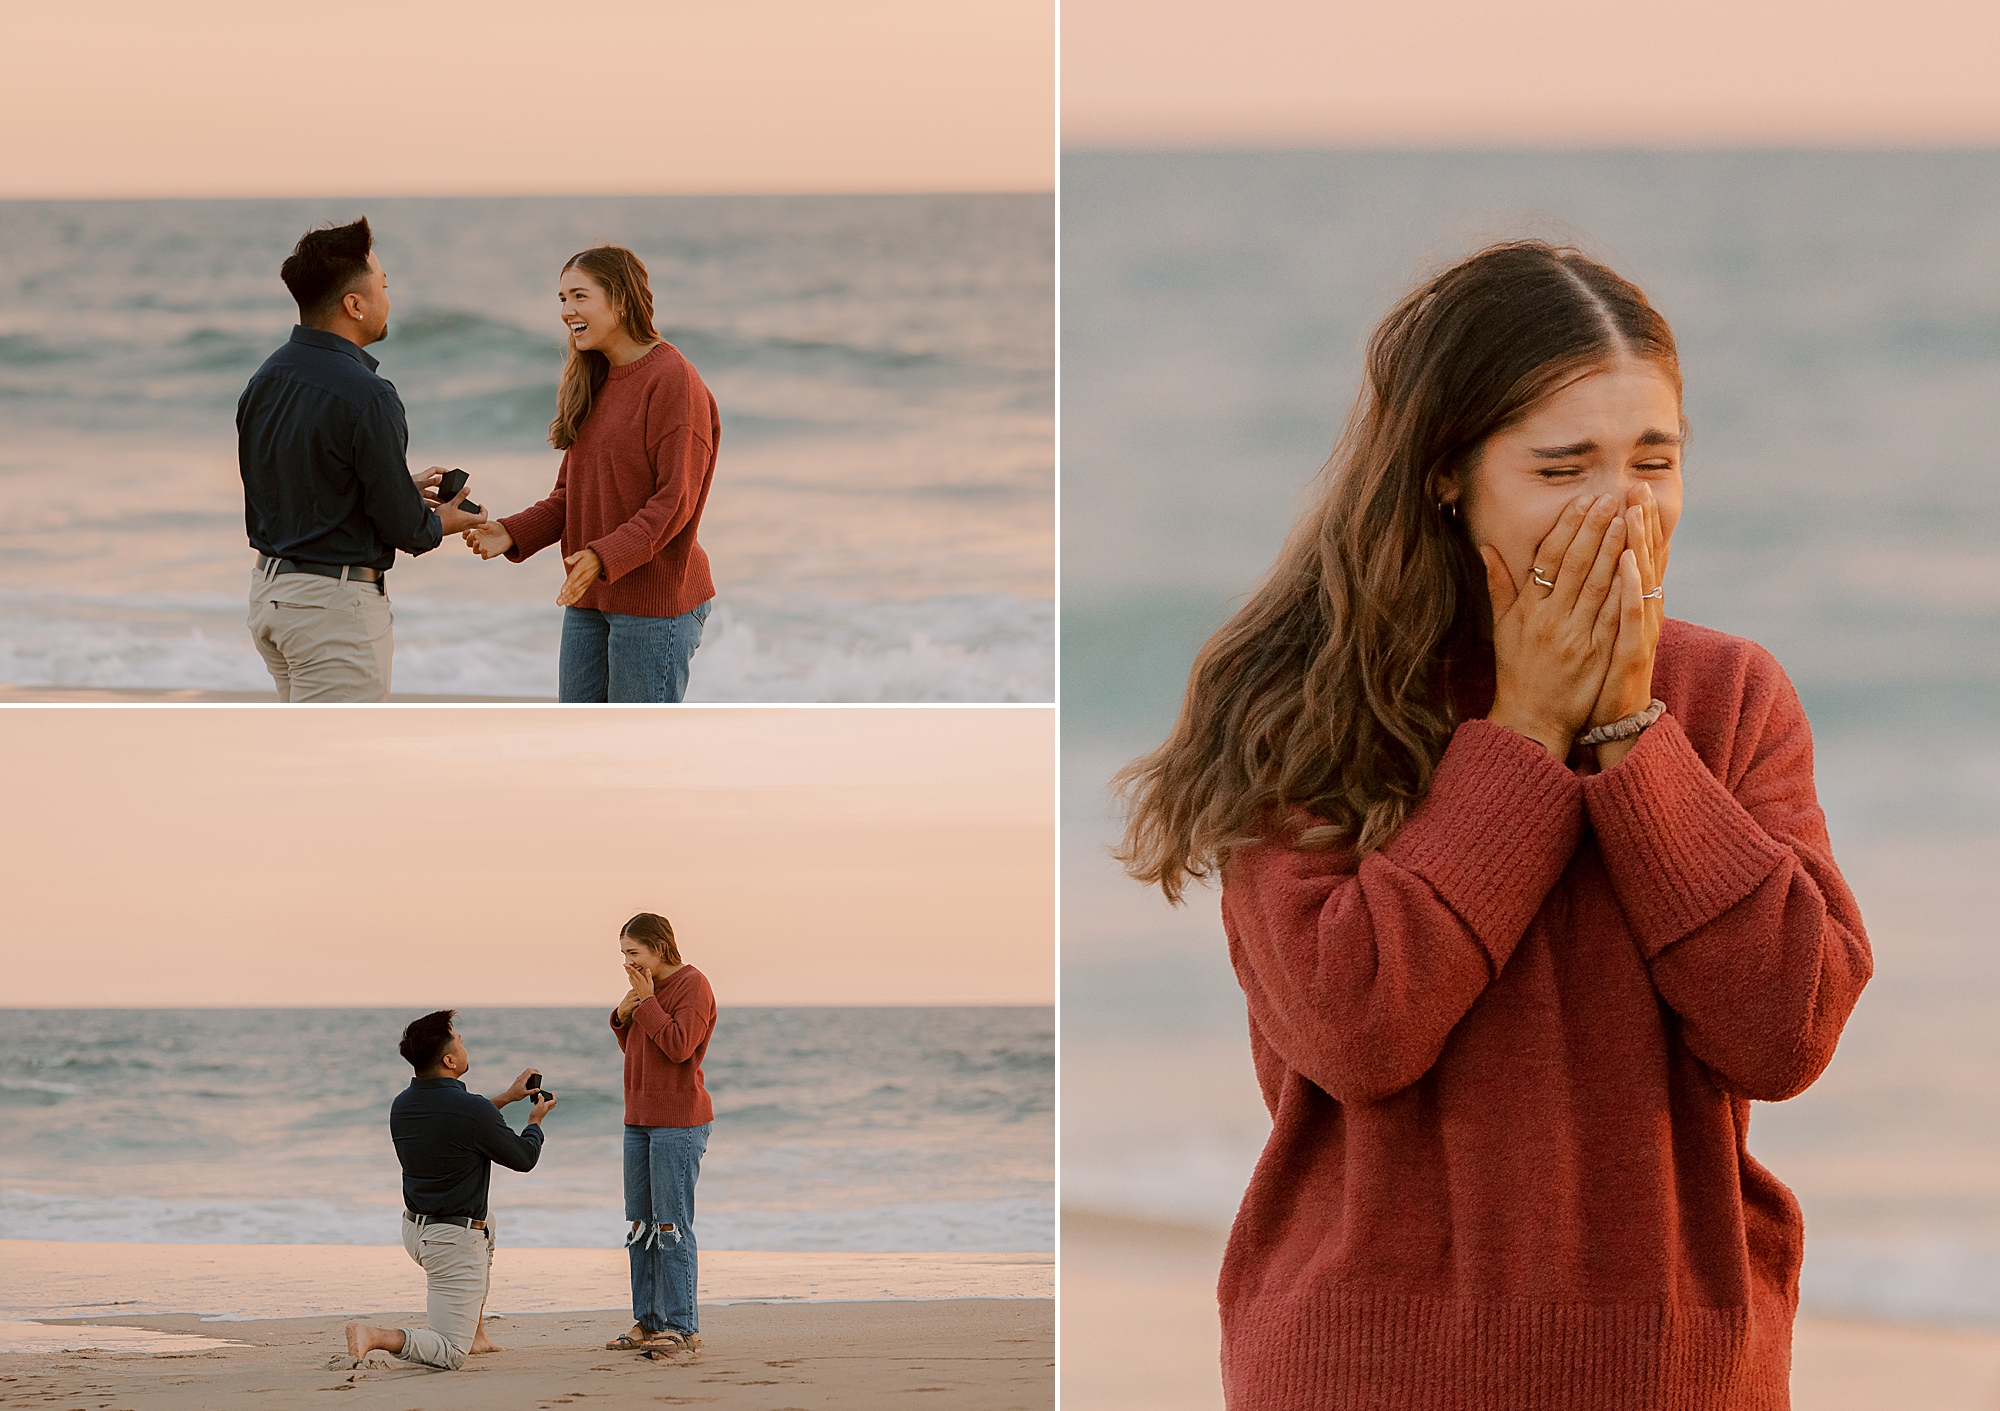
(320, 440)
(448, 1140)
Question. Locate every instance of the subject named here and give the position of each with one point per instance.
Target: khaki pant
(322, 639)
(458, 1263)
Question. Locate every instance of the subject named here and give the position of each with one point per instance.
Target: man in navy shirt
(447, 1140)
(327, 495)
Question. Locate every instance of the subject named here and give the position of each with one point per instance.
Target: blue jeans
(614, 656)
(661, 1167)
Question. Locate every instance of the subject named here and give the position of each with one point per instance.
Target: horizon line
(1473, 147)
(536, 195)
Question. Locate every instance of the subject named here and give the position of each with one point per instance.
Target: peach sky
(1204, 73)
(416, 857)
(501, 97)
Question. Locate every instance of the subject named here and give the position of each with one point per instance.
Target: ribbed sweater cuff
(532, 530)
(1680, 849)
(650, 1016)
(621, 551)
(1499, 825)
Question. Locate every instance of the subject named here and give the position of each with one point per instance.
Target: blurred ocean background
(882, 519)
(1839, 323)
(836, 1129)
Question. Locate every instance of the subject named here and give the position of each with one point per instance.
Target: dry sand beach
(1139, 1334)
(980, 1354)
(778, 1329)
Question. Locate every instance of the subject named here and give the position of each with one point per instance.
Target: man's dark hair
(425, 1041)
(325, 265)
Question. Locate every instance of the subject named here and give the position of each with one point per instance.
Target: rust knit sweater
(633, 487)
(1509, 1062)
(664, 1044)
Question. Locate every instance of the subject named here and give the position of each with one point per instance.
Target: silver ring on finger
(1535, 573)
(1659, 592)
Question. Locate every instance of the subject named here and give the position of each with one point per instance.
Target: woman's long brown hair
(622, 277)
(655, 933)
(1330, 691)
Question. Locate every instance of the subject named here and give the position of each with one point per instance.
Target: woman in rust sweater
(1526, 885)
(663, 1026)
(638, 431)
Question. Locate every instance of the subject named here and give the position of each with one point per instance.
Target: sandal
(665, 1351)
(628, 1342)
(668, 1341)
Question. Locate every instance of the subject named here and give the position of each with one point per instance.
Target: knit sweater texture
(664, 1044)
(1509, 1060)
(632, 487)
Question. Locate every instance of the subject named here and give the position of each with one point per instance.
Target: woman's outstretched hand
(1642, 568)
(489, 540)
(584, 567)
(1552, 647)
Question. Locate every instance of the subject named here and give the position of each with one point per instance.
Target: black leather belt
(352, 573)
(464, 1222)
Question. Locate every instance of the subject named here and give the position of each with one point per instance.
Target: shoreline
(222, 1286)
(1140, 1333)
(984, 1354)
(194, 695)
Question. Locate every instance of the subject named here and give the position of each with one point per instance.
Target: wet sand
(979, 1354)
(188, 695)
(55, 1279)
(1139, 1331)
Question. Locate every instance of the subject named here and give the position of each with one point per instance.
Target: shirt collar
(333, 343)
(429, 1082)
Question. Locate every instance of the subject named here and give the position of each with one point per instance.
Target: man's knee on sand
(430, 1348)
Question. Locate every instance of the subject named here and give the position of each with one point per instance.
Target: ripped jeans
(661, 1166)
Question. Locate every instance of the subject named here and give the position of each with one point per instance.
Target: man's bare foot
(480, 1344)
(362, 1340)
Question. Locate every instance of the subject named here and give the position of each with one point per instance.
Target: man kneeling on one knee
(448, 1140)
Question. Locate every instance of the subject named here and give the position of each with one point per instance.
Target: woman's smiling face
(1615, 431)
(586, 311)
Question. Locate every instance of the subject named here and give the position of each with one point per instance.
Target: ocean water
(882, 520)
(836, 1129)
(1838, 316)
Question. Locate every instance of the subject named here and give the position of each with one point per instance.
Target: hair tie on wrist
(1624, 729)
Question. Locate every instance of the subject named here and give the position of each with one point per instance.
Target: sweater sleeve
(619, 1030)
(1357, 975)
(680, 460)
(540, 524)
(1748, 928)
(675, 1032)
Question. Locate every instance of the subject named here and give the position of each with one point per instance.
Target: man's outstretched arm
(517, 1151)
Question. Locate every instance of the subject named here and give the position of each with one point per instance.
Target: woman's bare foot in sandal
(627, 1342)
